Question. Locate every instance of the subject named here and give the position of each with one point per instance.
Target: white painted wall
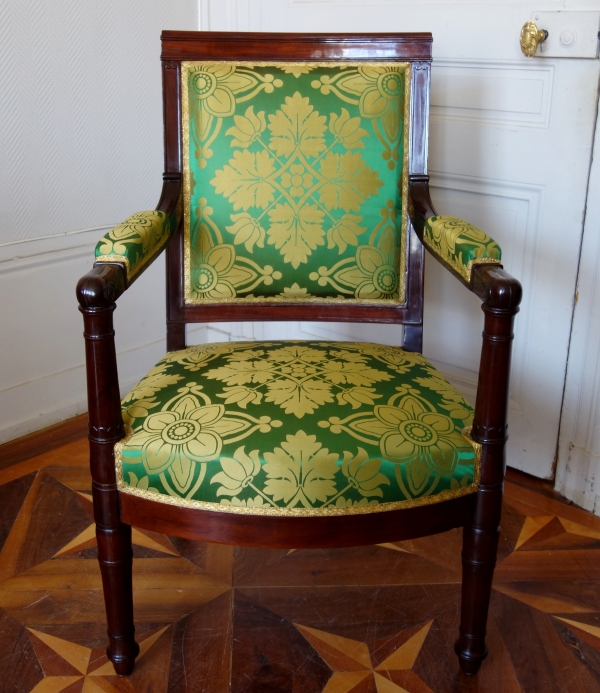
(81, 148)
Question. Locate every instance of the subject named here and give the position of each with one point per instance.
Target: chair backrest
(295, 153)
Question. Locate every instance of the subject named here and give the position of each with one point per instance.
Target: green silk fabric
(136, 241)
(275, 427)
(295, 181)
(460, 244)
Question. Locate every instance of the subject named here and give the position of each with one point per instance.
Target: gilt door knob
(531, 37)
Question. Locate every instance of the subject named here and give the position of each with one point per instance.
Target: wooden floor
(378, 619)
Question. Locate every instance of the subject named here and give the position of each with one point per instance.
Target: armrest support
(501, 295)
(457, 244)
(135, 243)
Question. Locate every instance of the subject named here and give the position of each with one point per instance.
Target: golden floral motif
(452, 401)
(141, 399)
(460, 244)
(196, 357)
(216, 277)
(297, 70)
(344, 232)
(296, 232)
(347, 130)
(296, 179)
(377, 87)
(135, 241)
(379, 92)
(300, 472)
(373, 274)
(213, 90)
(363, 473)
(294, 291)
(217, 272)
(176, 440)
(247, 129)
(396, 359)
(215, 86)
(246, 180)
(238, 472)
(247, 230)
(142, 484)
(297, 378)
(422, 442)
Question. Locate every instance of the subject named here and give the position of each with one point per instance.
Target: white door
(510, 149)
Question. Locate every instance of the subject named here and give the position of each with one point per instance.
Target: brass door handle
(531, 37)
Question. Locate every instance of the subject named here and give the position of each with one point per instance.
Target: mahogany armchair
(296, 188)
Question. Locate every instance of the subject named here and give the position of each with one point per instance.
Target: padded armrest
(460, 244)
(137, 241)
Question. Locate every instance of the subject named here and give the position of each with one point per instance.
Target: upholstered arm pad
(137, 241)
(460, 244)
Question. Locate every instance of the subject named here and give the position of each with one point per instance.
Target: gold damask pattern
(254, 427)
(460, 244)
(136, 241)
(305, 174)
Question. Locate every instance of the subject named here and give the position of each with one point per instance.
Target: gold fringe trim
(186, 66)
(299, 512)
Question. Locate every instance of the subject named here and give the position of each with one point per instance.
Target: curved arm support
(454, 242)
(138, 241)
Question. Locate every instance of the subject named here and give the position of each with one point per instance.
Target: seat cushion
(286, 427)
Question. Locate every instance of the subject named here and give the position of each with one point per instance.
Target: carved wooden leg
(480, 544)
(105, 429)
(115, 556)
(480, 539)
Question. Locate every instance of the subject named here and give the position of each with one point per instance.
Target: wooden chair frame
(98, 291)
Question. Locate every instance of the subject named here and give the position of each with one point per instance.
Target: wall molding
(42, 246)
(496, 92)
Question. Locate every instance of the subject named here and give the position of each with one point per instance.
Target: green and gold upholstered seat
(296, 427)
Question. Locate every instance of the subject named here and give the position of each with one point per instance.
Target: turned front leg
(105, 429)
(480, 537)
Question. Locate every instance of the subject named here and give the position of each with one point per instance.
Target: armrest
(456, 243)
(137, 241)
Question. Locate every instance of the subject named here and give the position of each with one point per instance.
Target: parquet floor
(378, 619)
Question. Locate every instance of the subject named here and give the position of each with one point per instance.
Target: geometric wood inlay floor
(212, 618)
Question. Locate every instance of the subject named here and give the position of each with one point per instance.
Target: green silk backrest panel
(295, 181)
